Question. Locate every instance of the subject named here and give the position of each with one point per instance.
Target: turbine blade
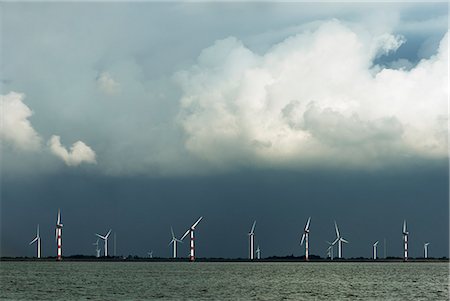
(307, 224)
(343, 240)
(334, 242)
(303, 238)
(59, 217)
(107, 234)
(185, 234)
(404, 226)
(337, 230)
(102, 237)
(171, 230)
(36, 238)
(253, 228)
(196, 223)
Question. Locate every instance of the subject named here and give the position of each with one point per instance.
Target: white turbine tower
(38, 240)
(251, 236)
(58, 235)
(105, 238)
(405, 241)
(375, 250)
(97, 249)
(425, 249)
(174, 241)
(191, 231)
(339, 240)
(258, 253)
(305, 237)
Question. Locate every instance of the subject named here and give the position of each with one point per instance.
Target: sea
(224, 281)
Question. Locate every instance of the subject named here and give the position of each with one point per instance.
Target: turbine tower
(58, 233)
(191, 231)
(174, 241)
(305, 237)
(425, 249)
(38, 240)
(150, 254)
(105, 238)
(375, 250)
(251, 236)
(258, 253)
(405, 241)
(97, 249)
(339, 240)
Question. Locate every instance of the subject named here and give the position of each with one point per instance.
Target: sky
(141, 116)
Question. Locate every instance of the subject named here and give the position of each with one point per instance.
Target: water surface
(223, 281)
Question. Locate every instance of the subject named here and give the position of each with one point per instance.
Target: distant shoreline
(231, 260)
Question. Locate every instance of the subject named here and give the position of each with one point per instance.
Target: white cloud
(79, 152)
(16, 129)
(107, 84)
(314, 98)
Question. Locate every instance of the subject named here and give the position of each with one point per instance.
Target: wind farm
(254, 254)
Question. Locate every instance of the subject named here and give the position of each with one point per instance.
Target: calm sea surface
(223, 281)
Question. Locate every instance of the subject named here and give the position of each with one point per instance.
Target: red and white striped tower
(192, 254)
(405, 241)
(58, 236)
(191, 232)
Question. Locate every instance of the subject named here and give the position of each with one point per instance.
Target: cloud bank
(16, 129)
(315, 98)
(79, 152)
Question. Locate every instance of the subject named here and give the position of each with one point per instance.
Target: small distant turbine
(258, 253)
(375, 250)
(330, 249)
(425, 249)
(150, 254)
(405, 241)
(174, 241)
(105, 238)
(305, 237)
(38, 240)
(191, 231)
(97, 249)
(251, 236)
(339, 240)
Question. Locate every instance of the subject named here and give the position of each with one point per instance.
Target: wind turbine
(305, 237)
(58, 234)
(251, 236)
(174, 241)
(191, 231)
(105, 238)
(425, 249)
(339, 240)
(330, 249)
(150, 254)
(258, 253)
(405, 241)
(38, 240)
(97, 249)
(375, 250)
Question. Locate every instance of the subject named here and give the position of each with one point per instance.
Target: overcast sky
(139, 116)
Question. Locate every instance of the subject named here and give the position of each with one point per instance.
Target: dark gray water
(223, 281)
